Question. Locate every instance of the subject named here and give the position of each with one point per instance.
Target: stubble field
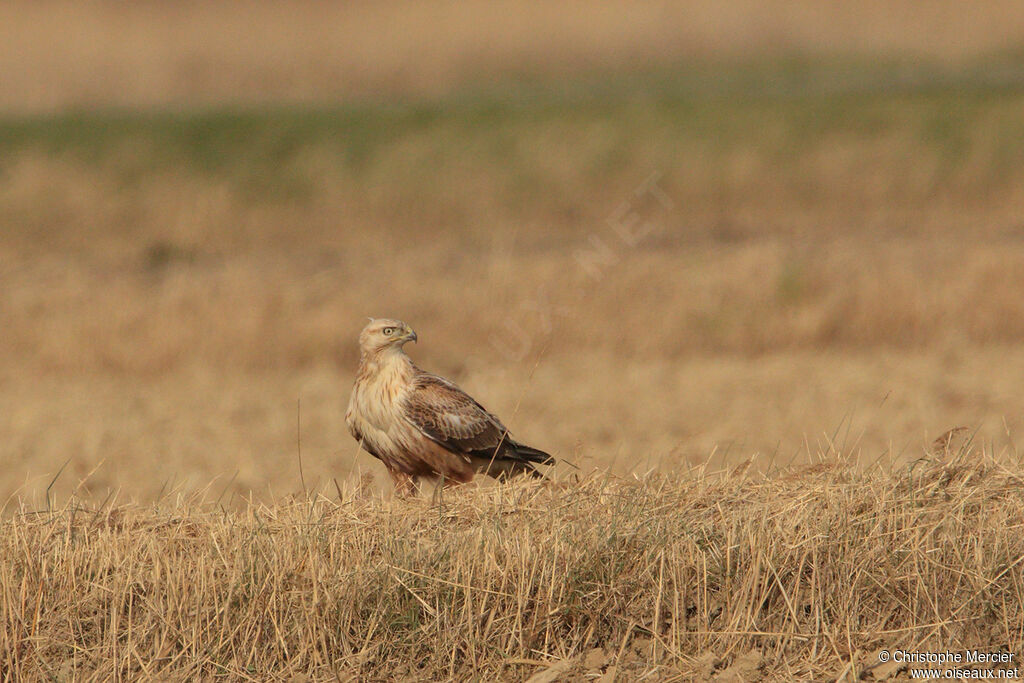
(656, 259)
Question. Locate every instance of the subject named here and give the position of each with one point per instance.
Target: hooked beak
(411, 336)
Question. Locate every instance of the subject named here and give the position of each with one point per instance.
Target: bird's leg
(405, 484)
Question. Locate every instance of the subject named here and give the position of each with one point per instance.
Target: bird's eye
(388, 331)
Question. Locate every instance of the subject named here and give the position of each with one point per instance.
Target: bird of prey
(422, 425)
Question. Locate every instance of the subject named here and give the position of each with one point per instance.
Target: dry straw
(801, 574)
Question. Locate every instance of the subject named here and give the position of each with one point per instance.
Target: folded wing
(451, 418)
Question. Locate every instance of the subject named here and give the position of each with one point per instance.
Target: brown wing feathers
(451, 418)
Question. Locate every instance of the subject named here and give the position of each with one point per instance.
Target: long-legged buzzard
(422, 425)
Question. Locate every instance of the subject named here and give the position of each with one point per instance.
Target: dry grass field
(660, 244)
(803, 576)
(652, 271)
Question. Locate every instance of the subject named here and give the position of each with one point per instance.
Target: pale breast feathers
(373, 408)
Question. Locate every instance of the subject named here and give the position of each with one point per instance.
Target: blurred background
(652, 234)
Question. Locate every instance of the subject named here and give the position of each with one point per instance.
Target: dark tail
(515, 460)
(520, 452)
(506, 469)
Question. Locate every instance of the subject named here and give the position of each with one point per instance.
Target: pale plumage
(422, 425)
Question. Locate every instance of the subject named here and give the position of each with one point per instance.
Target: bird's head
(382, 334)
